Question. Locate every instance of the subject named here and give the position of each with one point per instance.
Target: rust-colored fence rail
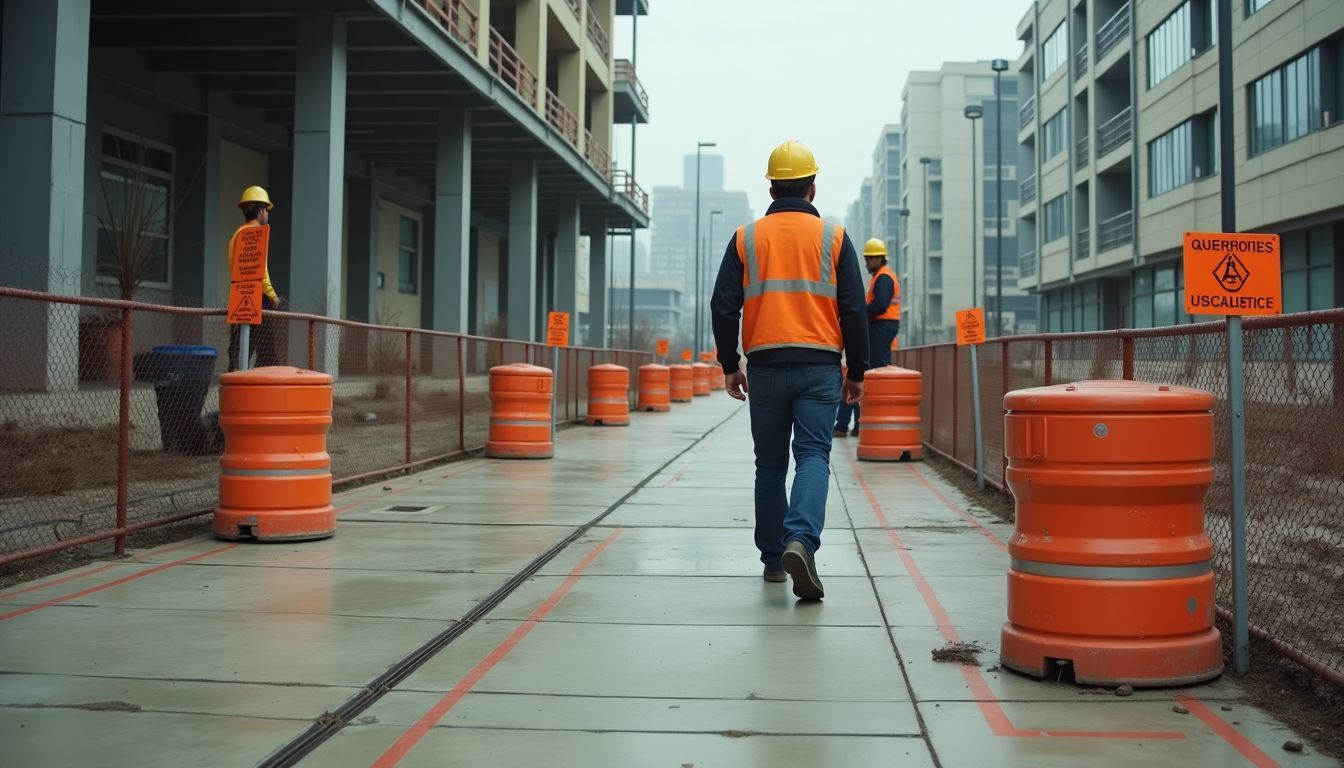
(99, 438)
(459, 18)
(505, 62)
(1294, 453)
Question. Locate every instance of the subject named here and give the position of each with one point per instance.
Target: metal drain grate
(405, 509)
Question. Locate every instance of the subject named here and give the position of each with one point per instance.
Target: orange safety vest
(789, 283)
(894, 308)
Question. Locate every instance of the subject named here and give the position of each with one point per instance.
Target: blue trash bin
(181, 375)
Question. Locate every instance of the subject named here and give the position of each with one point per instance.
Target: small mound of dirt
(959, 653)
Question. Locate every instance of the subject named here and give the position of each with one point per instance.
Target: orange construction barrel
(275, 474)
(608, 396)
(655, 388)
(520, 412)
(700, 373)
(1109, 566)
(683, 384)
(889, 426)
(716, 378)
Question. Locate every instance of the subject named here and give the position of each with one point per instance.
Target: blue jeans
(798, 401)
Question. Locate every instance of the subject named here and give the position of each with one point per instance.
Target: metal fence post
(1127, 357)
(956, 399)
(1236, 396)
(124, 430)
(409, 382)
(312, 345)
(975, 414)
(461, 399)
(1049, 362)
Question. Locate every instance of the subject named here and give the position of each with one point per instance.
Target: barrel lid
(609, 367)
(1111, 395)
(276, 375)
(700, 365)
(892, 372)
(679, 366)
(520, 369)
(653, 367)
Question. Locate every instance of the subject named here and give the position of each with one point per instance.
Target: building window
(1187, 152)
(408, 254)
(1075, 308)
(1253, 6)
(935, 234)
(1308, 270)
(935, 274)
(1056, 213)
(1056, 131)
(135, 186)
(1159, 296)
(1289, 102)
(1053, 53)
(935, 197)
(1187, 32)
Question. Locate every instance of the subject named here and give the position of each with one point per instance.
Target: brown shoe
(775, 576)
(800, 565)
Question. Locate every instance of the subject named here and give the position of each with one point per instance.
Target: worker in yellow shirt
(256, 207)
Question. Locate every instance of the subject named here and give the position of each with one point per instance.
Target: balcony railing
(1080, 60)
(560, 118)
(1026, 264)
(1084, 244)
(1084, 151)
(1026, 192)
(625, 184)
(505, 63)
(575, 7)
(1113, 32)
(1115, 232)
(597, 154)
(458, 18)
(625, 70)
(1114, 133)
(597, 34)
(1027, 113)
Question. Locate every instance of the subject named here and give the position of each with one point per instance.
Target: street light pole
(999, 66)
(698, 308)
(704, 285)
(974, 112)
(924, 271)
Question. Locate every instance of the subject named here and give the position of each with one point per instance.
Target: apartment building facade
(1119, 150)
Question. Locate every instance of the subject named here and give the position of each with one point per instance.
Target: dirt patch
(998, 504)
(46, 461)
(959, 653)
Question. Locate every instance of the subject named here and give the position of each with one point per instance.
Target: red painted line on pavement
(62, 580)
(982, 530)
(990, 708)
(115, 583)
(1231, 735)
(403, 745)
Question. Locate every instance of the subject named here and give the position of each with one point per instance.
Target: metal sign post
(1235, 274)
(971, 332)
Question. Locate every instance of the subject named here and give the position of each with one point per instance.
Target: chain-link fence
(1294, 380)
(109, 410)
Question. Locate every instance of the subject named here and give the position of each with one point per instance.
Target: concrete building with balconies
(1119, 150)
(434, 162)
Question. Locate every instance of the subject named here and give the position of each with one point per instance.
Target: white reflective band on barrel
(609, 400)
(755, 288)
(889, 426)
(239, 472)
(1111, 573)
(516, 423)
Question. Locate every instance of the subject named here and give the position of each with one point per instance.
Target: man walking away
(884, 311)
(793, 282)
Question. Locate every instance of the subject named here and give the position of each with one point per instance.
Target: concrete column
(570, 87)
(483, 33)
(452, 223)
(522, 275)
(198, 237)
(530, 40)
(44, 82)
(361, 300)
(597, 286)
(567, 260)
(319, 170)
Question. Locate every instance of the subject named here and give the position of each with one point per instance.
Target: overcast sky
(749, 74)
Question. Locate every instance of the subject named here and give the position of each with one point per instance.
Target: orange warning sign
(249, 253)
(557, 329)
(245, 303)
(687, 355)
(706, 357)
(970, 326)
(1232, 274)
(663, 348)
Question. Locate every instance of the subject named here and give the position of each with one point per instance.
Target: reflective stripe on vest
(894, 308)
(803, 311)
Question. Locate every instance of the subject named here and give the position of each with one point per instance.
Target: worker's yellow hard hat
(255, 195)
(875, 247)
(791, 160)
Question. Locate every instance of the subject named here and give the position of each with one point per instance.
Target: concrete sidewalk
(648, 640)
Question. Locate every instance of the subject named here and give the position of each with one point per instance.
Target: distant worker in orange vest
(884, 319)
(256, 207)
(793, 281)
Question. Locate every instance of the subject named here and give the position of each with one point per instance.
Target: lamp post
(999, 66)
(698, 308)
(974, 112)
(703, 287)
(924, 271)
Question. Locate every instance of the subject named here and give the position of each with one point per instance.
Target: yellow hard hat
(255, 195)
(875, 247)
(791, 160)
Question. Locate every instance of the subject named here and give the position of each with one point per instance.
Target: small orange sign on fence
(970, 326)
(706, 357)
(1232, 274)
(687, 355)
(664, 348)
(557, 329)
(250, 248)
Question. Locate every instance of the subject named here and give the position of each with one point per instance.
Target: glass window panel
(1164, 308)
(1295, 291)
(1294, 248)
(1320, 245)
(1143, 281)
(1321, 283)
(1143, 312)
(1166, 279)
